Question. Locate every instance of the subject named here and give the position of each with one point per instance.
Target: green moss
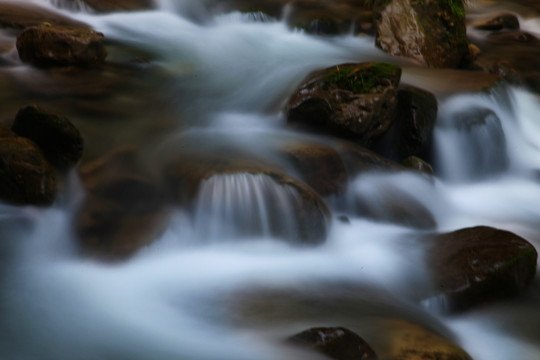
(361, 79)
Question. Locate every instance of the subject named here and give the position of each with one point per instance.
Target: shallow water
(204, 290)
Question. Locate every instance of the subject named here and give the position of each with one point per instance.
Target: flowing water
(219, 283)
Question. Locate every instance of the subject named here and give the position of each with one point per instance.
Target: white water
(181, 298)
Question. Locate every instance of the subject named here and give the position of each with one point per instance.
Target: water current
(208, 288)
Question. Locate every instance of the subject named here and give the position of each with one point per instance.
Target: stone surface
(124, 210)
(498, 22)
(26, 178)
(358, 159)
(413, 127)
(60, 141)
(417, 164)
(20, 15)
(431, 32)
(481, 264)
(51, 45)
(335, 342)
(105, 6)
(358, 101)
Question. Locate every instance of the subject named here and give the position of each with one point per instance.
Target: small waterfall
(231, 206)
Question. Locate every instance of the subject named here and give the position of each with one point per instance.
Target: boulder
(413, 127)
(498, 22)
(476, 265)
(409, 341)
(431, 32)
(26, 178)
(319, 166)
(124, 209)
(104, 6)
(357, 101)
(60, 141)
(335, 342)
(417, 164)
(52, 45)
(269, 202)
(358, 160)
(20, 15)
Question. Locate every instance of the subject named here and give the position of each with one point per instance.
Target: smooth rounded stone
(105, 6)
(498, 22)
(477, 265)
(357, 101)
(319, 166)
(358, 160)
(413, 127)
(335, 342)
(124, 210)
(417, 164)
(59, 139)
(409, 341)
(434, 35)
(185, 174)
(26, 177)
(20, 15)
(53, 45)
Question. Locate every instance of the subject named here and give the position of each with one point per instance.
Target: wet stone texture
(477, 265)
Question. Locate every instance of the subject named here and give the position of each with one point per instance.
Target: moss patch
(361, 79)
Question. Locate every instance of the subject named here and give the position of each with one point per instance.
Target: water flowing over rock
(123, 211)
(105, 6)
(26, 177)
(336, 342)
(354, 100)
(431, 32)
(60, 141)
(19, 15)
(52, 45)
(477, 265)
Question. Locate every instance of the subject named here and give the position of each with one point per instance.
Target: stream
(209, 289)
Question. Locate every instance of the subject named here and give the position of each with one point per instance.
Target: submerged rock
(60, 141)
(124, 209)
(335, 342)
(52, 45)
(26, 177)
(432, 33)
(105, 6)
(476, 265)
(498, 22)
(417, 164)
(357, 101)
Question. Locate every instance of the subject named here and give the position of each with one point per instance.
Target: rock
(514, 36)
(285, 208)
(20, 15)
(434, 34)
(357, 101)
(335, 342)
(417, 164)
(414, 342)
(320, 167)
(476, 265)
(413, 127)
(358, 160)
(124, 209)
(60, 141)
(104, 6)
(499, 22)
(26, 178)
(48, 45)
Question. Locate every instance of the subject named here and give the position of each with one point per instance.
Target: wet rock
(414, 342)
(434, 35)
(20, 15)
(105, 6)
(476, 265)
(26, 178)
(514, 36)
(358, 159)
(186, 174)
(498, 22)
(357, 101)
(124, 209)
(60, 141)
(412, 128)
(417, 164)
(335, 342)
(319, 166)
(52, 45)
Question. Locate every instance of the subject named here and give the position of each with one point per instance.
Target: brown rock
(353, 100)
(358, 159)
(498, 22)
(434, 35)
(119, 5)
(477, 265)
(20, 15)
(47, 45)
(417, 164)
(335, 342)
(60, 141)
(26, 178)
